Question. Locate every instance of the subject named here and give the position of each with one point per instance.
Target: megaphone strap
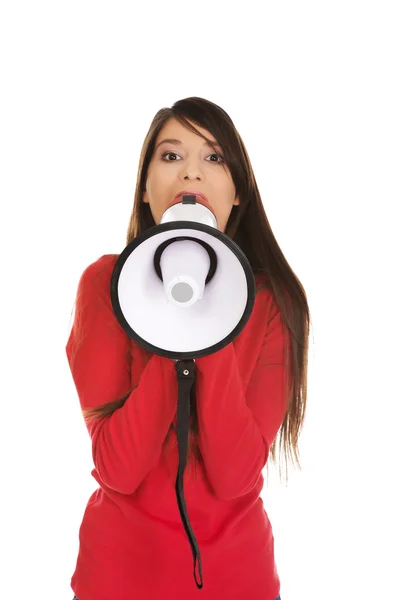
(186, 375)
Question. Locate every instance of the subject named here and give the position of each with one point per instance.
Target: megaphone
(183, 290)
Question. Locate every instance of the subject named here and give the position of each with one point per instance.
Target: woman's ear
(236, 201)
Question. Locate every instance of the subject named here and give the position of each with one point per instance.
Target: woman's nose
(192, 171)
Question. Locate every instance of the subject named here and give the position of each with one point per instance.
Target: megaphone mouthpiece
(190, 207)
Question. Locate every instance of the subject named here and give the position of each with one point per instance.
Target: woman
(132, 543)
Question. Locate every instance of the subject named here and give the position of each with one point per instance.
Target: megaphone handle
(185, 370)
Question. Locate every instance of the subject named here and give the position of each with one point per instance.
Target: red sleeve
(127, 444)
(237, 427)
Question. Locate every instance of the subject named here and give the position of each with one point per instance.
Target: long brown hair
(248, 226)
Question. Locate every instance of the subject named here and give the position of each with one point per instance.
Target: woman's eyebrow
(173, 141)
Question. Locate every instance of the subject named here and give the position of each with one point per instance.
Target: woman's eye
(220, 158)
(166, 154)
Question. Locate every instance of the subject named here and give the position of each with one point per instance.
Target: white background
(313, 88)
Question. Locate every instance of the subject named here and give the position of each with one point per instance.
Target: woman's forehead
(175, 130)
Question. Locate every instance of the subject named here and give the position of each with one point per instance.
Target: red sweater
(132, 543)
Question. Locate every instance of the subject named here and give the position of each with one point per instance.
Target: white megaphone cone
(183, 290)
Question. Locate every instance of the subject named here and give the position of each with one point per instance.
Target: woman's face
(189, 165)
